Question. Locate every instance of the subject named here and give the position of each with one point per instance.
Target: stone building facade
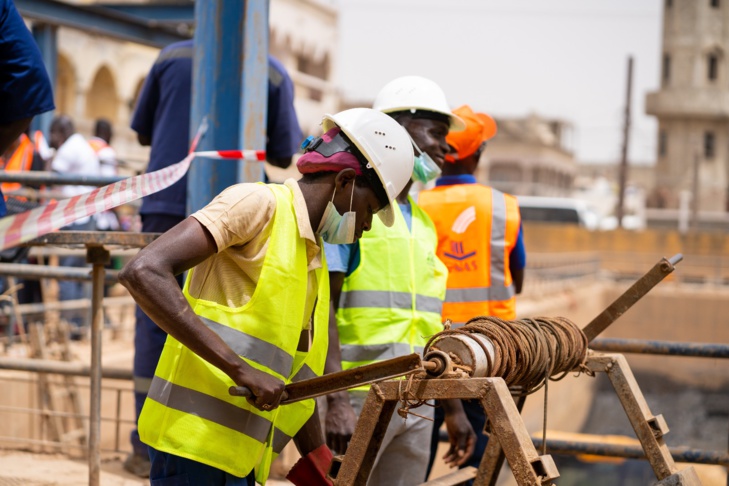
(99, 76)
(692, 105)
(530, 156)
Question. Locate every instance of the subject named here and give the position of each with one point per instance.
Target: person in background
(73, 155)
(101, 143)
(387, 290)
(481, 242)
(25, 89)
(162, 121)
(255, 306)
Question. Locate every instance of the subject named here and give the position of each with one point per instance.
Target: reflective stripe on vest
(189, 412)
(478, 227)
(251, 347)
(391, 300)
(141, 384)
(376, 352)
(391, 303)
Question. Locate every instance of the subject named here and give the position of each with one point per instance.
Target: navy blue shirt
(163, 114)
(25, 90)
(517, 257)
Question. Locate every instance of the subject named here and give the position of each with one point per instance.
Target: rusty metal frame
(95, 243)
(649, 428)
(528, 466)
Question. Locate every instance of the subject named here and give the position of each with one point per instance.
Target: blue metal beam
(99, 20)
(183, 12)
(229, 75)
(46, 37)
(254, 87)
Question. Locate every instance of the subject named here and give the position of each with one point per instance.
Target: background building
(530, 156)
(99, 76)
(692, 105)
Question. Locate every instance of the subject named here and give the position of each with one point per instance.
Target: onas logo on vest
(458, 254)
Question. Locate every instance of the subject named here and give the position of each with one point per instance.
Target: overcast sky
(557, 58)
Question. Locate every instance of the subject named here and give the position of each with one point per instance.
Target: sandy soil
(28, 469)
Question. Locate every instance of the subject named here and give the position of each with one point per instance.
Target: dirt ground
(28, 469)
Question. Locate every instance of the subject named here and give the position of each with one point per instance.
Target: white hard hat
(415, 93)
(386, 146)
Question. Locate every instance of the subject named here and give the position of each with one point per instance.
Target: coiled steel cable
(527, 352)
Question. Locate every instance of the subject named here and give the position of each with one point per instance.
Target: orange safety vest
(97, 144)
(21, 160)
(477, 227)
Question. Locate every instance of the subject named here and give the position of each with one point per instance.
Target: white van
(562, 210)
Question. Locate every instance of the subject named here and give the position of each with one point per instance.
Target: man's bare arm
(150, 279)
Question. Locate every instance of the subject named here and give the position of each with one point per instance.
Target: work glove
(311, 470)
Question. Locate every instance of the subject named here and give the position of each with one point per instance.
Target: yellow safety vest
(391, 304)
(188, 411)
(478, 227)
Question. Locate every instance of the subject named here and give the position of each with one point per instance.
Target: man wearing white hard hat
(387, 291)
(255, 306)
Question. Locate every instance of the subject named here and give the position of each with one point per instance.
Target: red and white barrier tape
(26, 226)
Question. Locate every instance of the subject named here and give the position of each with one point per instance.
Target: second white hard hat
(386, 146)
(411, 93)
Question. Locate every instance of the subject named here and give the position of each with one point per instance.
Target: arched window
(65, 95)
(102, 100)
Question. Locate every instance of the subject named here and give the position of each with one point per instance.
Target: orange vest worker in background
(479, 230)
(20, 160)
(480, 241)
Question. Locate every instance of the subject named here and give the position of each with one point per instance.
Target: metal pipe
(668, 348)
(95, 238)
(56, 178)
(38, 272)
(61, 368)
(39, 307)
(98, 256)
(679, 454)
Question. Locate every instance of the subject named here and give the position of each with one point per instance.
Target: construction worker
(73, 155)
(25, 89)
(18, 158)
(387, 290)
(480, 241)
(162, 121)
(101, 143)
(255, 306)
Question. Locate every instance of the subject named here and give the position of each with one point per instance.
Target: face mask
(335, 228)
(425, 168)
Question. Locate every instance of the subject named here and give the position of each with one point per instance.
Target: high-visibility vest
(188, 411)
(478, 227)
(391, 303)
(21, 160)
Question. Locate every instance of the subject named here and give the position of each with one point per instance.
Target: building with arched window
(530, 156)
(692, 105)
(99, 76)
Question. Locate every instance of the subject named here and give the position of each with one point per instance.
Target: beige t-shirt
(240, 221)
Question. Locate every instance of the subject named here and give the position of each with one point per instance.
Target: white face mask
(335, 228)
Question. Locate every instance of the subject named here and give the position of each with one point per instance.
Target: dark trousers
(477, 418)
(170, 470)
(149, 339)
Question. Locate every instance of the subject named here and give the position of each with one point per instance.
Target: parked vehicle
(562, 210)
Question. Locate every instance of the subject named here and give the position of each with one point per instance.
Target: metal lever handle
(636, 291)
(244, 391)
(343, 380)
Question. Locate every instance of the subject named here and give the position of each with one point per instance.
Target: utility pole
(623, 171)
